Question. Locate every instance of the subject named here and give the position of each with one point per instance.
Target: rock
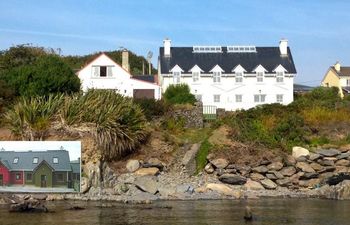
(344, 155)
(314, 156)
(132, 165)
(326, 162)
(337, 178)
(256, 176)
(183, 188)
(233, 179)
(309, 183)
(209, 168)
(120, 188)
(39, 196)
(219, 163)
(302, 159)
(288, 171)
(328, 152)
(243, 170)
(248, 215)
(268, 184)
(210, 156)
(275, 166)
(220, 172)
(154, 162)
(277, 174)
(231, 171)
(264, 162)
(299, 151)
(343, 190)
(305, 167)
(307, 176)
(285, 182)
(341, 169)
(201, 189)
(27, 206)
(316, 166)
(147, 171)
(146, 183)
(342, 162)
(166, 191)
(290, 161)
(330, 158)
(260, 169)
(345, 148)
(271, 176)
(189, 159)
(224, 189)
(253, 185)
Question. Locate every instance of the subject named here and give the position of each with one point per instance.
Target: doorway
(43, 181)
(1, 180)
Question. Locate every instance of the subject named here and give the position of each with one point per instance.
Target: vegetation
(179, 94)
(201, 158)
(117, 124)
(153, 108)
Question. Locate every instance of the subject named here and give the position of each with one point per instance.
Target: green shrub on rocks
(179, 94)
(201, 158)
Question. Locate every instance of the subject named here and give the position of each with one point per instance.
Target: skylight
(241, 49)
(207, 49)
(55, 160)
(35, 160)
(15, 160)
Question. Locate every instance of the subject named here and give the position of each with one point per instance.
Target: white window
(15, 160)
(217, 77)
(35, 160)
(102, 71)
(238, 98)
(279, 77)
(55, 160)
(348, 82)
(198, 98)
(259, 98)
(195, 76)
(279, 98)
(176, 77)
(239, 77)
(259, 76)
(216, 98)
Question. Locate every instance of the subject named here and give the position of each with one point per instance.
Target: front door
(1, 180)
(43, 180)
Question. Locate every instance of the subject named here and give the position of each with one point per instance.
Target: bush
(179, 94)
(153, 108)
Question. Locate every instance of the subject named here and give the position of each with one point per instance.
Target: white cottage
(230, 77)
(104, 73)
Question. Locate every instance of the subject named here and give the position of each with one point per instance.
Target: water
(266, 211)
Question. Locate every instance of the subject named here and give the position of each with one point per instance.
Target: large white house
(230, 77)
(104, 73)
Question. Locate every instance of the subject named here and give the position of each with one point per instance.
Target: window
(35, 160)
(259, 98)
(55, 160)
(198, 98)
(59, 177)
(279, 98)
(176, 76)
(102, 71)
(216, 98)
(18, 176)
(348, 82)
(216, 77)
(15, 160)
(259, 76)
(279, 77)
(239, 77)
(195, 76)
(29, 176)
(238, 98)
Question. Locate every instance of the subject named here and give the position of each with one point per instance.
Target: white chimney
(283, 47)
(337, 66)
(125, 60)
(167, 45)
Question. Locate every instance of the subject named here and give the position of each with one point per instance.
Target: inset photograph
(40, 166)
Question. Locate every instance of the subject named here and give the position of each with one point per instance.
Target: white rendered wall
(343, 80)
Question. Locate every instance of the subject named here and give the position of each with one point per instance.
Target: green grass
(201, 158)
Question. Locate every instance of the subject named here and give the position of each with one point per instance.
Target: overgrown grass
(322, 115)
(201, 158)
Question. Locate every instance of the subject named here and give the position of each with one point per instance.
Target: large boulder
(268, 184)
(147, 184)
(275, 166)
(305, 167)
(132, 165)
(147, 171)
(299, 151)
(219, 163)
(233, 179)
(288, 171)
(189, 159)
(224, 189)
(328, 152)
(253, 185)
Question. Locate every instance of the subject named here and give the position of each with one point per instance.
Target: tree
(179, 94)
(47, 74)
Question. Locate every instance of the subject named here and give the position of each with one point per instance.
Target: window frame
(279, 77)
(239, 98)
(53, 160)
(35, 160)
(348, 82)
(239, 77)
(279, 96)
(217, 98)
(217, 77)
(176, 77)
(260, 76)
(259, 98)
(18, 176)
(31, 176)
(195, 76)
(15, 160)
(96, 71)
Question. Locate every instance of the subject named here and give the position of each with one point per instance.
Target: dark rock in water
(328, 152)
(248, 215)
(76, 208)
(233, 179)
(27, 206)
(334, 180)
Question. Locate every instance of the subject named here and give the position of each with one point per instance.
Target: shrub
(179, 94)
(153, 108)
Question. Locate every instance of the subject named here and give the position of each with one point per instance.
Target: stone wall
(192, 115)
(302, 170)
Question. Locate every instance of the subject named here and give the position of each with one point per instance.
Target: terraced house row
(51, 168)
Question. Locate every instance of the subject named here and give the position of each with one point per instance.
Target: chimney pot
(337, 66)
(283, 47)
(167, 45)
(125, 60)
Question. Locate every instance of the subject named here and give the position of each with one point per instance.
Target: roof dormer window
(35, 160)
(55, 160)
(239, 77)
(195, 76)
(15, 160)
(176, 76)
(279, 77)
(259, 77)
(217, 76)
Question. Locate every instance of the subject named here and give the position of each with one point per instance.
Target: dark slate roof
(25, 159)
(268, 57)
(344, 71)
(147, 78)
(6, 164)
(302, 88)
(75, 167)
(346, 89)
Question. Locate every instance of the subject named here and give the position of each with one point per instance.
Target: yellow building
(338, 76)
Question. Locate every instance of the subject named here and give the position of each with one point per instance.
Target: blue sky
(318, 30)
